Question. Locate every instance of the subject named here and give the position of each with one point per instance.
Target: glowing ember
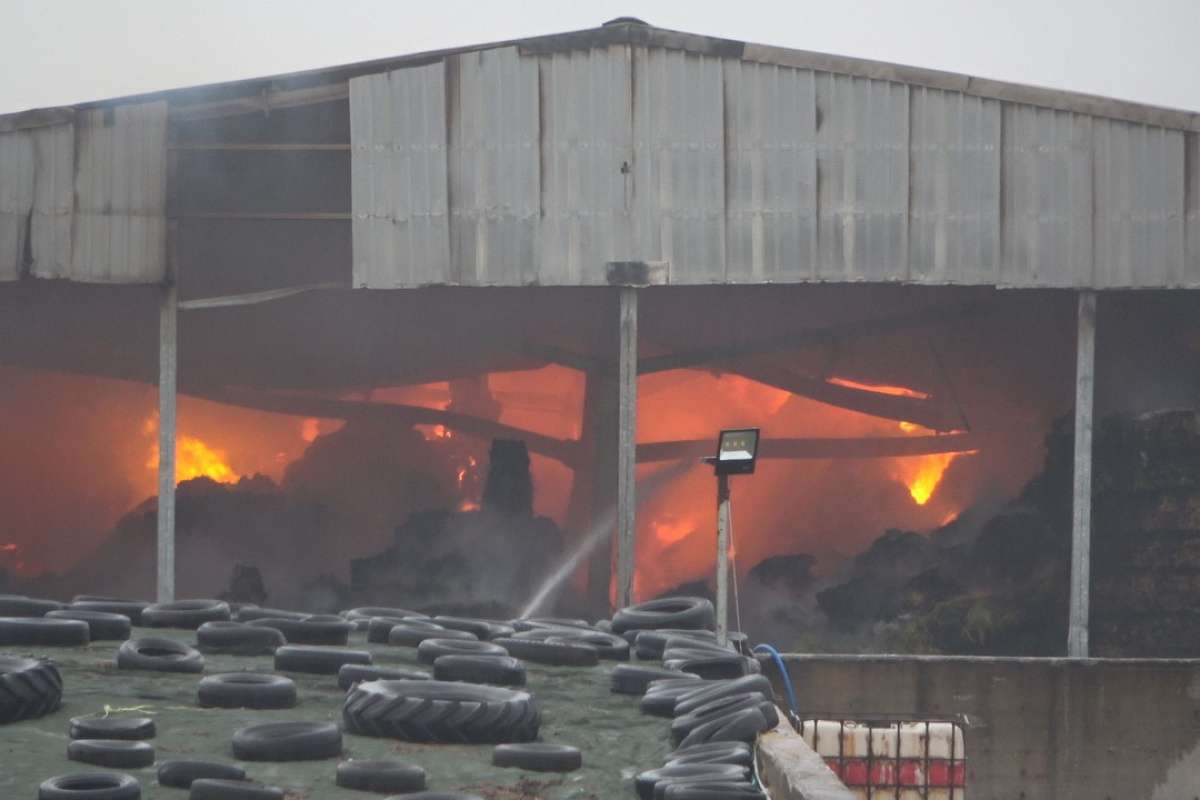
(310, 429)
(894, 391)
(670, 529)
(8, 548)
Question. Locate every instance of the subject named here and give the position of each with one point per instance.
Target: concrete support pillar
(1081, 516)
(167, 370)
(722, 559)
(627, 445)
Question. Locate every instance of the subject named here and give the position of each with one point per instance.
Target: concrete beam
(791, 770)
(627, 444)
(167, 382)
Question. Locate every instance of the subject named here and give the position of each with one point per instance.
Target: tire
(157, 654)
(130, 729)
(538, 757)
(709, 749)
(562, 654)
(380, 776)
(730, 755)
(102, 625)
(550, 622)
(181, 773)
(378, 628)
(492, 670)
(210, 789)
(662, 695)
(317, 660)
(29, 688)
(704, 790)
(246, 690)
(713, 666)
(316, 630)
(237, 638)
(43, 632)
(288, 741)
(634, 678)
(16, 605)
(431, 650)
(650, 644)
(438, 711)
(91, 786)
(683, 724)
(483, 629)
(608, 646)
(683, 642)
(368, 612)
(126, 608)
(706, 694)
(740, 726)
(113, 753)
(645, 782)
(185, 614)
(350, 674)
(413, 632)
(687, 613)
(249, 614)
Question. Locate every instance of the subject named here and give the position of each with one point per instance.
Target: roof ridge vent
(625, 21)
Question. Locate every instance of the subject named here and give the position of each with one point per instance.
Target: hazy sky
(55, 52)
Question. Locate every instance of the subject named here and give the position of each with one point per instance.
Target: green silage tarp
(577, 709)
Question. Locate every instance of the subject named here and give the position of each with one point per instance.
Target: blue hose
(783, 672)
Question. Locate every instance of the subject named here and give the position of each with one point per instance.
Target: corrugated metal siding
(119, 226)
(679, 163)
(398, 178)
(16, 199)
(750, 172)
(586, 163)
(36, 176)
(495, 172)
(862, 179)
(1047, 192)
(1138, 221)
(954, 214)
(1191, 259)
(771, 169)
(53, 200)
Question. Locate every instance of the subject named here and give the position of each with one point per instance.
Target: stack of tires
(716, 697)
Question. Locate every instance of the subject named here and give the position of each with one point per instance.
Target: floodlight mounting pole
(722, 558)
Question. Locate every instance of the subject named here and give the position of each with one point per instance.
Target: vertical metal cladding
(119, 225)
(36, 200)
(1047, 198)
(954, 213)
(1191, 210)
(771, 173)
(398, 178)
(495, 168)
(1138, 222)
(16, 199)
(679, 163)
(750, 172)
(586, 163)
(862, 178)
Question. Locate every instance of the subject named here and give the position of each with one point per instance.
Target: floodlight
(737, 452)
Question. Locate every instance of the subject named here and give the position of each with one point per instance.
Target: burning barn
(423, 326)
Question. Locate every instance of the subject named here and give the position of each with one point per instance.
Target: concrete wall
(1036, 728)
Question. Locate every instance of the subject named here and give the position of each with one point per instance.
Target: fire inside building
(425, 330)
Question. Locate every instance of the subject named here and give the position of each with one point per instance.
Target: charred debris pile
(995, 581)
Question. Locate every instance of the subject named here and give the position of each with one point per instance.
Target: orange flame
(894, 391)
(193, 458)
(310, 429)
(670, 529)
